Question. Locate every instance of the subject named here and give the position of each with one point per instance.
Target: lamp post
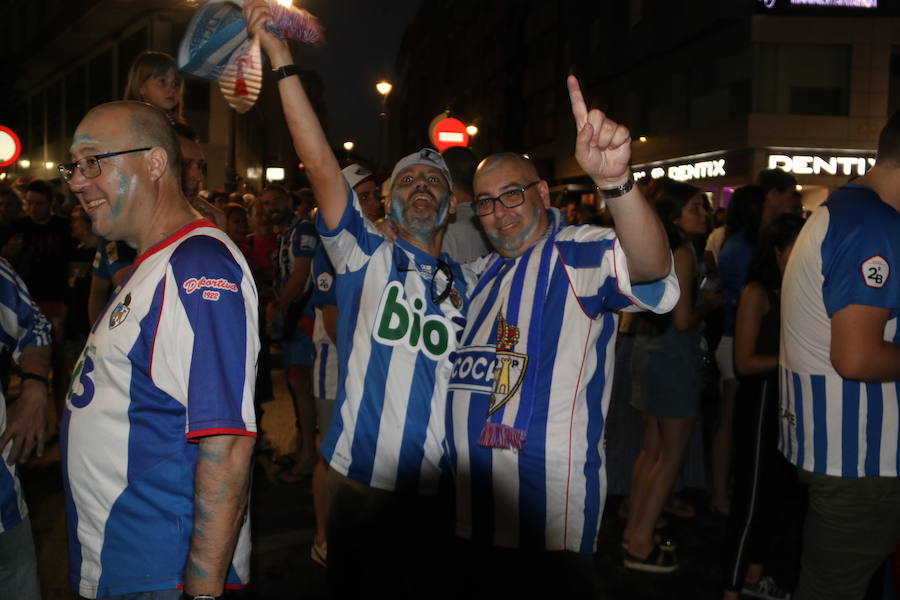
(384, 88)
(348, 147)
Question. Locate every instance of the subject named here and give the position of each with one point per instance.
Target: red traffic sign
(449, 132)
(10, 146)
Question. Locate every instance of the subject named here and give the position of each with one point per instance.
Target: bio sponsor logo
(193, 284)
(398, 322)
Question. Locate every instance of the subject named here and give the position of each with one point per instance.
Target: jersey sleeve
(859, 255)
(101, 264)
(598, 272)
(304, 240)
(216, 343)
(353, 241)
(22, 324)
(323, 280)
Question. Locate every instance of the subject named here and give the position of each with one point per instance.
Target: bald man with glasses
(159, 425)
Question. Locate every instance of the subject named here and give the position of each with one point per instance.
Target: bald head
(504, 160)
(134, 125)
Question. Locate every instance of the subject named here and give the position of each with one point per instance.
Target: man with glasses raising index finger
(402, 309)
(531, 382)
(159, 425)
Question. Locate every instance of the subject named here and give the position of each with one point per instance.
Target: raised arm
(603, 149)
(310, 142)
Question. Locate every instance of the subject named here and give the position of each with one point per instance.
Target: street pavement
(283, 528)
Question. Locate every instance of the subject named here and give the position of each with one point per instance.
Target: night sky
(362, 39)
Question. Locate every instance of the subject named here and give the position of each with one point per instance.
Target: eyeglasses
(90, 165)
(509, 199)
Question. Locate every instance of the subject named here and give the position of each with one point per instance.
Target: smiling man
(402, 309)
(158, 429)
(531, 382)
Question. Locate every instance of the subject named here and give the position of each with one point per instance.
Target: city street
(283, 531)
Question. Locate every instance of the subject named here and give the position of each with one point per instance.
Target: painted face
(161, 91)
(109, 198)
(193, 167)
(512, 230)
(693, 217)
(420, 201)
(369, 200)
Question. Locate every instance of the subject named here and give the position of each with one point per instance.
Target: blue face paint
(120, 198)
(514, 245)
(422, 229)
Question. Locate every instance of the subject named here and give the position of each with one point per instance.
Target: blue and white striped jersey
(325, 369)
(171, 359)
(844, 255)
(21, 324)
(394, 349)
(531, 385)
(300, 240)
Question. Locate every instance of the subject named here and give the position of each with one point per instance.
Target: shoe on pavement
(658, 561)
(319, 553)
(766, 588)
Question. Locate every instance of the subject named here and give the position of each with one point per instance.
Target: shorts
(725, 357)
(299, 350)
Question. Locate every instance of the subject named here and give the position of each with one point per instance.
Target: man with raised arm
(159, 426)
(531, 382)
(402, 309)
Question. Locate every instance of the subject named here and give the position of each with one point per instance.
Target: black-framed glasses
(509, 199)
(90, 165)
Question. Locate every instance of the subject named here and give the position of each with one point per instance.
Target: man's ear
(157, 162)
(387, 205)
(544, 191)
(453, 203)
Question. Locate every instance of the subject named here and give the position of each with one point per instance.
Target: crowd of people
(473, 370)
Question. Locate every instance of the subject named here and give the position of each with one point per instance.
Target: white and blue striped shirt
(21, 325)
(394, 349)
(844, 255)
(171, 359)
(554, 385)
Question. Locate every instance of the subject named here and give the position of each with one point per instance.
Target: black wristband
(619, 190)
(26, 375)
(285, 71)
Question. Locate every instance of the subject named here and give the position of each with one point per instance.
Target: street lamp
(472, 130)
(25, 163)
(384, 88)
(348, 145)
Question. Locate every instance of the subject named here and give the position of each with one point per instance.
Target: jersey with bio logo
(531, 385)
(847, 253)
(21, 325)
(325, 368)
(394, 346)
(171, 360)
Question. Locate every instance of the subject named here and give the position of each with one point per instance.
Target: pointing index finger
(579, 108)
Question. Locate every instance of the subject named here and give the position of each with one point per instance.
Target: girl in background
(154, 79)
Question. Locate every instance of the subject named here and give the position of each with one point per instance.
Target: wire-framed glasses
(509, 199)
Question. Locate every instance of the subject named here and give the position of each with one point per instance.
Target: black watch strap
(26, 375)
(285, 71)
(619, 190)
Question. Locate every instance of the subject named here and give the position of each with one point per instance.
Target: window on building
(798, 79)
(101, 79)
(894, 83)
(76, 96)
(129, 48)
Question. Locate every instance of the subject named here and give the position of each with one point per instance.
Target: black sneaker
(659, 560)
(766, 588)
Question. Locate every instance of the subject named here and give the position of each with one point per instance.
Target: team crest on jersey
(324, 282)
(120, 312)
(875, 271)
(509, 368)
(455, 299)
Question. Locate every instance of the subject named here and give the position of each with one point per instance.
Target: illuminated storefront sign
(686, 171)
(813, 164)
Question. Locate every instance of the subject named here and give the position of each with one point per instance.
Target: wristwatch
(186, 596)
(285, 71)
(619, 190)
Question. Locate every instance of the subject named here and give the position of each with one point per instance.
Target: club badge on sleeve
(120, 313)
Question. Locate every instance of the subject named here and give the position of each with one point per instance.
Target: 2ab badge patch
(875, 271)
